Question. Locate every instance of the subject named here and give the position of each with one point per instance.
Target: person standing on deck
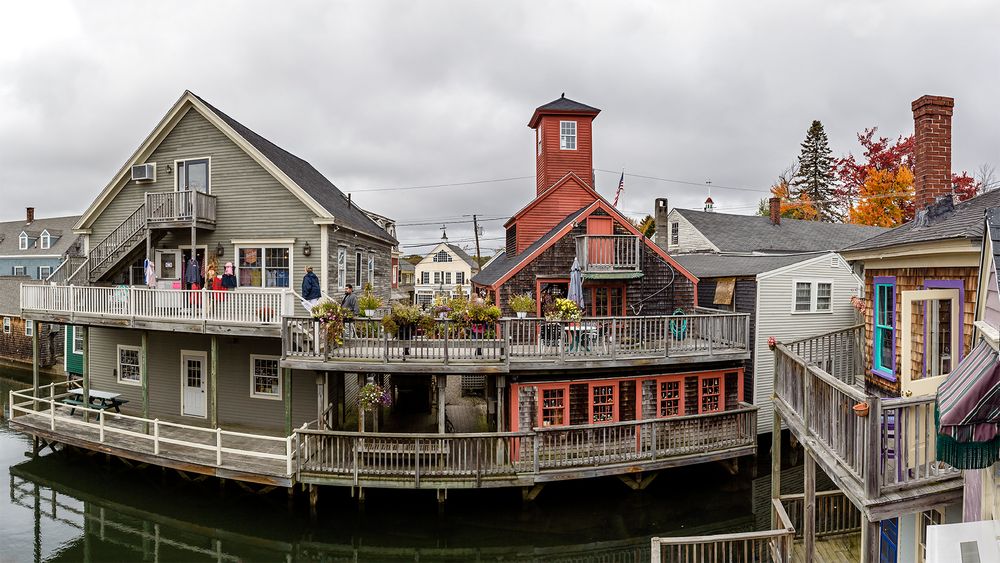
(311, 293)
(350, 301)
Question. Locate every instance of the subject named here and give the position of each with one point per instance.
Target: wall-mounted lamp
(307, 250)
(220, 250)
(170, 168)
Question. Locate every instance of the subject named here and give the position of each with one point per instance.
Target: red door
(600, 245)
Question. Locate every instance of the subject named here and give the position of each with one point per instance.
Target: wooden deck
(844, 548)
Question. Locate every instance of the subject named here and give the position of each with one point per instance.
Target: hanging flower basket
(861, 409)
(373, 396)
(771, 343)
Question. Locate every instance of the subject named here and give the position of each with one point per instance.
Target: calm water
(72, 507)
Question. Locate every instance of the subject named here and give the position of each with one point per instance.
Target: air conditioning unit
(144, 172)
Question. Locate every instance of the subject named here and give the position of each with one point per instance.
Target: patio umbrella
(575, 293)
(968, 411)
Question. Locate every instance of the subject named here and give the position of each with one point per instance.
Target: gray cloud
(389, 94)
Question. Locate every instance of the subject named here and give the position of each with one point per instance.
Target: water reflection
(78, 507)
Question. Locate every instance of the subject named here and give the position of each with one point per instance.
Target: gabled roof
(561, 104)
(58, 228)
(965, 221)
(454, 249)
(503, 262)
(297, 175)
(730, 265)
(754, 233)
(548, 192)
(463, 255)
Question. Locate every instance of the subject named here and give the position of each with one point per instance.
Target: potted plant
(522, 304)
(373, 396)
(564, 310)
(481, 319)
(441, 307)
(404, 320)
(771, 342)
(861, 409)
(369, 302)
(333, 316)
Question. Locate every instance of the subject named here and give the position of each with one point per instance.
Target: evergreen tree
(815, 178)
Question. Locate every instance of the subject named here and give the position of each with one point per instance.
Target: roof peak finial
(563, 95)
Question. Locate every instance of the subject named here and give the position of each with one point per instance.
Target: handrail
(768, 545)
(105, 249)
(821, 335)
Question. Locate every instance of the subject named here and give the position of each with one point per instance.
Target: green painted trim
(613, 276)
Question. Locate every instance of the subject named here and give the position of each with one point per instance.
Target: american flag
(621, 186)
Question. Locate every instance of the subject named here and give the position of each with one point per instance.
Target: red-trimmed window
(603, 406)
(670, 400)
(710, 396)
(553, 406)
(608, 301)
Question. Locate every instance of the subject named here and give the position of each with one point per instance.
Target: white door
(931, 321)
(193, 384)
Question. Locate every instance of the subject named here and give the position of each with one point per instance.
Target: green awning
(612, 276)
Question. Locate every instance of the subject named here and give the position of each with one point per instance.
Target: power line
(450, 185)
(685, 182)
(449, 222)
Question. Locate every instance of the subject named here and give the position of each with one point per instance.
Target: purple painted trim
(948, 284)
(884, 280)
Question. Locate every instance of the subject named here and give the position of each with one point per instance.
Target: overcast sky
(400, 94)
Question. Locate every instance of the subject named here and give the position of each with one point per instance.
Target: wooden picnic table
(98, 399)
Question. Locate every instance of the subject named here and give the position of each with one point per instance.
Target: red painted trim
(614, 400)
(549, 191)
(605, 286)
(540, 390)
(538, 291)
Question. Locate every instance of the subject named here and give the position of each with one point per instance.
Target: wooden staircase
(122, 241)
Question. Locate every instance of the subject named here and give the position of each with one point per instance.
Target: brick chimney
(775, 206)
(30, 215)
(931, 148)
(662, 233)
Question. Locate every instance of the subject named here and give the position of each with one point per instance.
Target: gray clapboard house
(204, 191)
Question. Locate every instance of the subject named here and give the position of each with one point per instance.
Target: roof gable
(570, 179)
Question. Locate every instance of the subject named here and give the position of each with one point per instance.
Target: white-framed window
(460, 278)
(19, 271)
(438, 277)
(22, 241)
(567, 135)
(77, 340)
(45, 240)
(44, 272)
(442, 256)
(447, 278)
(341, 267)
(395, 275)
(265, 377)
(424, 298)
(425, 277)
(129, 372)
(675, 232)
(358, 257)
(6, 325)
(371, 269)
(538, 140)
(264, 266)
(29, 327)
(193, 175)
(810, 296)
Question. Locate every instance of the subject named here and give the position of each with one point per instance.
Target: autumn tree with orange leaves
(883, 198)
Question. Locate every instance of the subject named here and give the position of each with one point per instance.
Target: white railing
(98, 425)
(609, 253)
(168, 207)
(242, 306)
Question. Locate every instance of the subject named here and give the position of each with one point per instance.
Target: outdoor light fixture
(170, 168)
(307, 250)
(220, 250)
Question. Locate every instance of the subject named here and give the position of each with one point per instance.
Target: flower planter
(861, 409)
(442, 316)
(369, 313)
(522, 314)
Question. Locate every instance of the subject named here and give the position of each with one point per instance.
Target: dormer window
(22, 241)
(45, 240)
(567, 135)
(442, 256)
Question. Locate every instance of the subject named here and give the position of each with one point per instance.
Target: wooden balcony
(167, 210)
(244, 311)
(518, 459)
(520, 344)
(603, 255)
(884, 462)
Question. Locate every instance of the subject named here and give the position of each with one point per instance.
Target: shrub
(406, 316)
(564, 310)
(522, 303)
(368, 300)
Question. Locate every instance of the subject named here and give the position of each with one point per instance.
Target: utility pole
(475, 229)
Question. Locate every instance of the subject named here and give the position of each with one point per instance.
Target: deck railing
(766, 546)
(121, 239)
(609, 253)
(525, 340)
(243, 306)
(142, 434)
(180, 206)
(889, 448)
(834, 513)
(408, 458)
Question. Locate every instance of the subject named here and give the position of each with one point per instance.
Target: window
(22, 241)
(128, 365)
(395, 275)
(45, 241)
(265, 377)
(438, 277)
(357, 269)
(554, 407)
(77, 340)
(608, 301)
(926, 519)
(19, 271)
(29, 328)
(884, 311)
(424, 298)
(813, 297)
(341, 267)
(425, 277)
(710, 393)
(264, 266)
(567, 135)
(538, 140)
(460, 278)
(442, 256)
(44, 272)
(602, 403)
(670, 398)
(6, 325)
(193, 175)
(447, 278)
(371, 269)
(675, 233)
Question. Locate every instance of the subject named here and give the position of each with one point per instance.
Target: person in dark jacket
(350, 300)
(311, 292)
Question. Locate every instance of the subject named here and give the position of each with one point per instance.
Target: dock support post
(870, 536)
(361, 411)
(86, 369)
(442, 495)
(320, 401)
(144, 373)
(502, 425)
(313, 500)
(775, 464)
(442, 382)
(35, 381)
(213, 383)
(287, 389)
(809, 507)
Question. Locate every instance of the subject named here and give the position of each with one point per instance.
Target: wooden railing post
(872, 472)
(447, 330)
(218, 444)
(156, 436)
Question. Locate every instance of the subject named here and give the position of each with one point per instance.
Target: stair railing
(120, 236)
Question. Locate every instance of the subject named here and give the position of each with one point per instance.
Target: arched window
(442, 256)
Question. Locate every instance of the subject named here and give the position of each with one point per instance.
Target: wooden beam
(144, 371)
(809, 507)
(213, 383)
(442, 384)
(287, 387)
(870, 537)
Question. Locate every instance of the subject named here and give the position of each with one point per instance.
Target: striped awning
(968, 411)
